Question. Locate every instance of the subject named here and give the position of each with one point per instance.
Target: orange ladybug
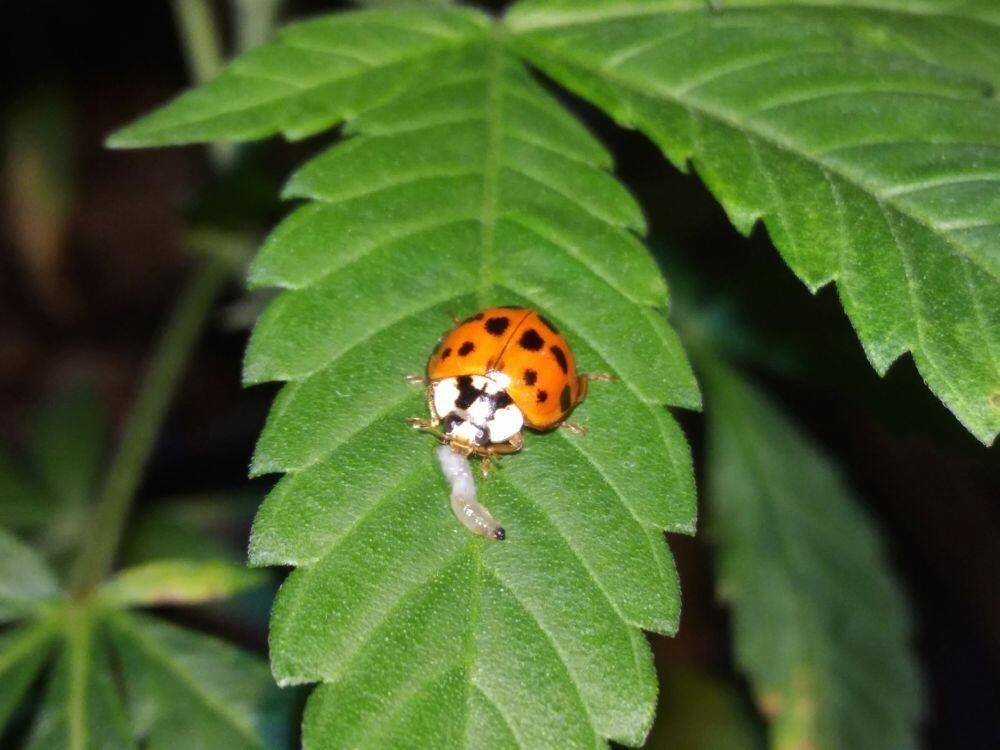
(495, 372)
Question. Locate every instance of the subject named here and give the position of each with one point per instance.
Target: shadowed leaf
(820, 626)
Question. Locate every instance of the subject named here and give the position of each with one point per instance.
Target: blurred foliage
(701, 712)
(181, 686)
(39, 188)
(820, 625)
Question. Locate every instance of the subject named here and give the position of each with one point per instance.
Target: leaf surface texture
(865, 136)
(461, 183)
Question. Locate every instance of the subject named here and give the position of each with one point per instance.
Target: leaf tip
(122, 139)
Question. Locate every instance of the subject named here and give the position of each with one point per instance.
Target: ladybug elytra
(494, 373)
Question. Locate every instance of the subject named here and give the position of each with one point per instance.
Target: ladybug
(494, 373)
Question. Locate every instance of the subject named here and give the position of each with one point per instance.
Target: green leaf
(702, 713)
(191, 691)
(26, 580)
(23, 504)
(298, 85)
(820, 625)
(180, 689)
(67, 443)
(82, 709)
(193, 527)
(464, 183)
(22, 652)
(178, 582)
(866, 137)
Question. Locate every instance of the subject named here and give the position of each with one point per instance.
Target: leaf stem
(200, 38)
(254, 21)
(161, 380)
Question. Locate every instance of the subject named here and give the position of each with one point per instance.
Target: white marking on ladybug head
(476, 410)
(505, 424)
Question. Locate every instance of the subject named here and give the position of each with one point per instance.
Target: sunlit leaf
(866, 137)
(464, 183)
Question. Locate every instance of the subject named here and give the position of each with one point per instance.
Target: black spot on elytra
(502, 400)
(466, 348)
(467, 392)
(446, 353)
(530, 377)
(531, 341)
(560, 356)
(497, 326)
(542, 397)
(564, 399)
(548, 323)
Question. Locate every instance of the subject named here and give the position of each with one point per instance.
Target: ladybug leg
(435, 421)
(415, 379)
(426, 425)
(575, 428)
(592, 377)
(429, 425)
(492, 454)
(455, 320)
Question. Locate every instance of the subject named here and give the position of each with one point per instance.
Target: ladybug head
(476, 410)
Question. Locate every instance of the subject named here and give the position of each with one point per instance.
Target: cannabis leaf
(462, 183)
(820, 626)
(45, 496)
(701, 712)
(172, 674)
(865, 135)
(181, 688)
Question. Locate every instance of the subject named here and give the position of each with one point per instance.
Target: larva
(471, 514)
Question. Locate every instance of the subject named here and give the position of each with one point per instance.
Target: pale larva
(471, 514)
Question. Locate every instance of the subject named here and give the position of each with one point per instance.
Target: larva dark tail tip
(501, 535)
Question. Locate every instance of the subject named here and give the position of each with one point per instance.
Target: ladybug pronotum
(494, 373)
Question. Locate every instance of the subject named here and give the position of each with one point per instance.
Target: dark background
(84, 289)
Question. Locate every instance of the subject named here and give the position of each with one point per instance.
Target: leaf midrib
(79, 645)
(773, 138)
(492, 164)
